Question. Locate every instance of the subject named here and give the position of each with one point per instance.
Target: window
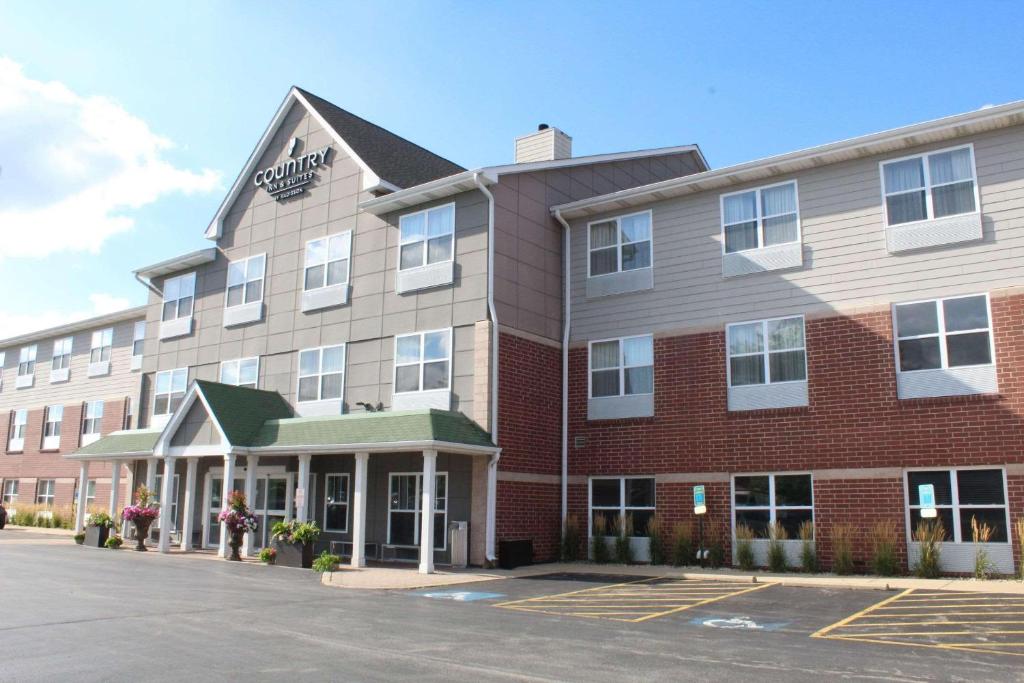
(90, 492)
(336, 503)
(102, 342)
(761, 499)
(426, 237)
(44, 492)
(761, 217)
(245, 280)
(622, 367)
(405, 505)
(615, 497)
(174, 500)
(51, 427)
(10, 494)
(767, 351)
(327, 261)
(129, 405)
(961, 495)
(27, 361)
(929, 186)
(322, 373)
(19, 421)
(620, 244)
(62, 353)
(944, 333)
(92, 422)
(243, 372)
(138, 338)
(423, 361)
(170, 390)
(179, 293)
(3, 359)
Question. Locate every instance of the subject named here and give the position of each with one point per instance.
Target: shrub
(808, 553)
(571, 539)
(745, 547)
(80, 538)
(981, 533)
(1019, 529)
(714, 543)
(884, 541)
(776, 548)
(929, 536)
(598, 544)
(657, 540)
(842, 549)
(326, 563)
(114, 542)
(268, 556)
(623, 533)
(682, 544)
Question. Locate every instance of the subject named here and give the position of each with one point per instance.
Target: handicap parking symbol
(461, 596)
(737, 624)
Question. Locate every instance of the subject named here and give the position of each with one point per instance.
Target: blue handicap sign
(926, 495)
(698, 496)
(737, 624)
(461, 596)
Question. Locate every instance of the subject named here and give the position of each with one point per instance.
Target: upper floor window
(622, 367)
(102, 343)
(179, 294)
(3, 359)
(138, 338)
(944, 333)
(51, 427)
(766, 351)
(92, 421)
(426, 237)
(929, 186)
(322, 373)
(27, 361)
(620, 244)
(761, 217)
(62, 353)
(327, 261)
(170, 390)
(19, 423)
(423, 361)
(241, 372)
(245, 280)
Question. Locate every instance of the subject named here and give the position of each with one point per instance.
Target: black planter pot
(294, 554)
(96, 536)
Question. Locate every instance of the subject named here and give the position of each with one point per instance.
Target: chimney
(547, 144)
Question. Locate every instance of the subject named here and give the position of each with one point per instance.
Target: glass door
(404, 509)
(271, 505)
(215, 503)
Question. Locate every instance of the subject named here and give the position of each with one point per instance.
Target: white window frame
(189, 279)
(928, 187)
(958, 532)
(46, 498)
(247, 281)
(320, 373)
(27, 360)
(418, 510)
(619, 244)
(346, 238)
(103, 343)
(61, 356)
(237, 362)
(347, 504)
(138, 337)
(176, 372)
(174, 499)
(759, 216)
(622, 367)
(92, 421)
(402, 241)
(766, 353)
(3, 359)
(772, 506)
(622, 509)
(7, 496)
(421, 362)
(942, 333)
(16, 438)
(52, 428)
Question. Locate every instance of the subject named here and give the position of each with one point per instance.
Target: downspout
(148, 284)
(565, 367)
(493, 413)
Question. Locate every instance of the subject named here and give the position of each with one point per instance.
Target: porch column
(302, 502)
(427, 513)
(166, 493)
(251, 463)
(188, 518)
(359, 512)
(115, 489)
(83, 495)
(130, 486)
(492, 502)
(229, 482)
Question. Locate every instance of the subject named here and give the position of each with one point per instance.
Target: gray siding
(197, 429)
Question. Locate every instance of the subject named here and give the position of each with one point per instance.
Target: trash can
(516, 552)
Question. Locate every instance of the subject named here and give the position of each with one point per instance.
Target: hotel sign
(290, 177)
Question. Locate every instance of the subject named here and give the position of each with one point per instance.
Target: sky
(122, 125)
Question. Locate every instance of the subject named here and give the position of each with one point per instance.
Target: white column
(130, 486)
(229, 482)
(303, 485)
(115, 489)
(359, 512)
(166, 503)
(427, 513)
(251, 463)
(188, 518)
(492, 502)
(83, 495)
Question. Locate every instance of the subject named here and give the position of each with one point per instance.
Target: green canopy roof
(135, 441)
(242, 411)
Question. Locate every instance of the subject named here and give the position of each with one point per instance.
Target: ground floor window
(90, 493)
(404, 509)
(761, 499)
(960, 496)
(174, 500)
(336, 503)
(615, 498)
(44, 492)
(10, 494)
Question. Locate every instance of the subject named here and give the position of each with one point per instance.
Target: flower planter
(142, 525)
(294, 554)
(235, 544)
(96, 536)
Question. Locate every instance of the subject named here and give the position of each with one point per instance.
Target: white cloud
(14, 324)
(73, 168)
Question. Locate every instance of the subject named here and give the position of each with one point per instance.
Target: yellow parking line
(828, 629)
(904, 634)
(932, 623)
(941, 614)
(582, 590)
(704, 602)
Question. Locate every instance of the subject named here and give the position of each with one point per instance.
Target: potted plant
(294, 541)
(142, 515)
(97, 529)
(268, 556)
(238, 520)
(114, 542)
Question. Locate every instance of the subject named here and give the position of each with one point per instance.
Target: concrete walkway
(388, 578)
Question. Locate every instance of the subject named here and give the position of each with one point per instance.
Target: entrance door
(271, 505)
(214, 502)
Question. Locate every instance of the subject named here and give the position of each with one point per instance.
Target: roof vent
(543, 126)
(547, 144)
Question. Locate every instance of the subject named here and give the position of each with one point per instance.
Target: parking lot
(105, 615)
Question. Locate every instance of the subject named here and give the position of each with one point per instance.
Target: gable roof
(241, 411)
